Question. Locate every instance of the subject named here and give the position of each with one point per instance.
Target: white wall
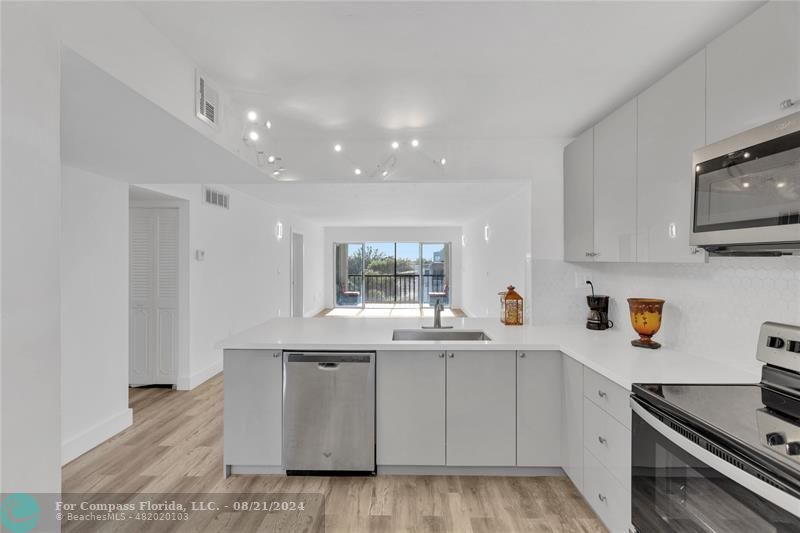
(94, 310)
(491, 265)
(340, 234)
(713, 310)
(30, 367)
(244, 278)
(117, 38)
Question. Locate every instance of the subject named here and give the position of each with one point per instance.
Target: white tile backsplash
(712, 309)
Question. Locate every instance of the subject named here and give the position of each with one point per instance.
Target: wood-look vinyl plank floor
(174, 450)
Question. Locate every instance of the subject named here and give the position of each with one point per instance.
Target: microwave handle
(783, 500)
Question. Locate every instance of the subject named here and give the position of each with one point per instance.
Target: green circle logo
(20, 513)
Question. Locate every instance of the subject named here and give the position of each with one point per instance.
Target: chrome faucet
(437, 317)
(437, 314)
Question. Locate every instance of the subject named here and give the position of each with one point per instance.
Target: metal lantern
(512, 307)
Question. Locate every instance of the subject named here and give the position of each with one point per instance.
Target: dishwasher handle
(328, 366)
(327, 358)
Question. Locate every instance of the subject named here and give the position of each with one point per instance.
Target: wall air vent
(220, 199)
(206, 101)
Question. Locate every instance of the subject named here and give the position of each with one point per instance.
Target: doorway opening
(297, 274)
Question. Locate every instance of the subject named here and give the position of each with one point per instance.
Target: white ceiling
(449, 70)
(389, 204)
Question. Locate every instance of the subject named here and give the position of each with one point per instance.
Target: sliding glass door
(349, 281)
(391, 274)
(435, 273)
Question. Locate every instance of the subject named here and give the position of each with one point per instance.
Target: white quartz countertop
(607, 352)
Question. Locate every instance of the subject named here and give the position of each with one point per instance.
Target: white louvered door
(153, 295)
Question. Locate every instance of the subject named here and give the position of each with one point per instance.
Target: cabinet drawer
(609, 441)
(610, 500)
(612, 398)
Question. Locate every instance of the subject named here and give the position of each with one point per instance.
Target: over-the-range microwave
(746, 197)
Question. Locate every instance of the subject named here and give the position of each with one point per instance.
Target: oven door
(747, 188)
(678, 486)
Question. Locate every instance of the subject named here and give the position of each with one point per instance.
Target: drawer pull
(441, 355)
(602, 393)
(601, 497)
(276, 354)
(451, 355)
(602, 440)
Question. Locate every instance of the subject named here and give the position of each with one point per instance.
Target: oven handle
(774, 495)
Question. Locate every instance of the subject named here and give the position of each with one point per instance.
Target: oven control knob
(776, 439)
(793, 448)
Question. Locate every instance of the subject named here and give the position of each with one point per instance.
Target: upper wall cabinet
(752, 69)
(579, 198)
(615, 186)
(671, 125)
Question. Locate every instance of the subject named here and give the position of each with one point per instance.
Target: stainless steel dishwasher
(329, 412)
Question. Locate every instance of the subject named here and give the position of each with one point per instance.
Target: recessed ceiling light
(780, 184)
(253, 135)
(443, 161)
(385, 173)
(747, 155)
(276, 172)
(395, 145)
(337, 147)
(357, 172)
(271, 159)
(415, 143)
(268, 125)
(746, 184)
(252, 116)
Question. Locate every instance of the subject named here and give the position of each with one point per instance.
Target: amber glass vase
(646, 320)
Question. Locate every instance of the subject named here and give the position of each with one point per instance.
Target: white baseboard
(95, 435)
(198, 378)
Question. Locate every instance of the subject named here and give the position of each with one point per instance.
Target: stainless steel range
(721, 458)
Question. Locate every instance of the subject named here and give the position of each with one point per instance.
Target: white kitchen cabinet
(481, 407)
(609, 499)
(579, 198)
(615, 186)
(253, 402)
(411, 408)
(572, 420)
(752, 68)
(538, 418)
(671, 125)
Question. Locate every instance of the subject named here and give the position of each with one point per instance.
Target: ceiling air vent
(206, 101)
(220, 199)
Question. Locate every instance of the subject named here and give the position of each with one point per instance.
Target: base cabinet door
(572, 424)
(539, 408)
(411, 408)
(609, 499)
(481, 406)
(253, 402)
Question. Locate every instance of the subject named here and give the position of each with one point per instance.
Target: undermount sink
(439, 335)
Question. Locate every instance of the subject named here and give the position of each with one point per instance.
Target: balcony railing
(394, 289)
